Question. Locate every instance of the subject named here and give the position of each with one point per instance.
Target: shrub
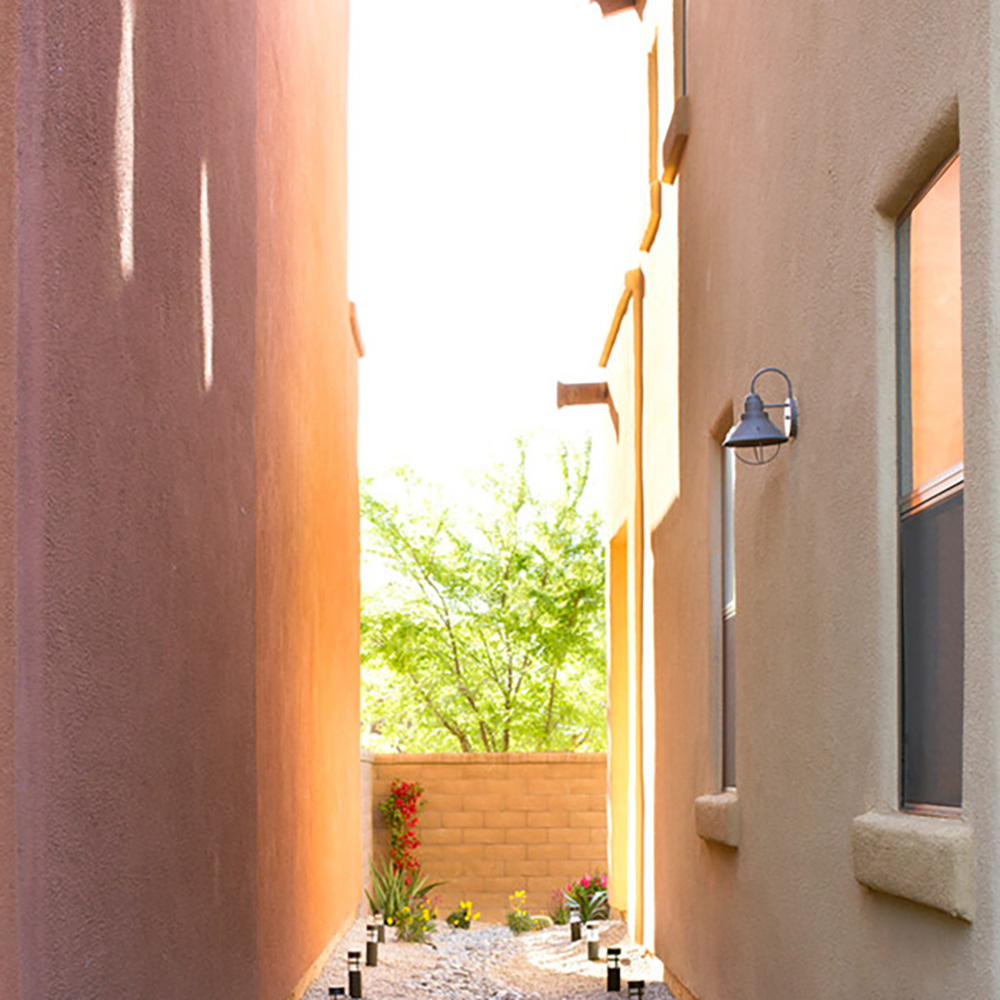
(518, 918)
(558, 910)
(590, 893)
(463, 916)
(393, 889)
(415, 921)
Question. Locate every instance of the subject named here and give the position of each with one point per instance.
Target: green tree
(485, 628)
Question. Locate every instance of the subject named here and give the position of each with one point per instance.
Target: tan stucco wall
(812, 126)
(497, 823)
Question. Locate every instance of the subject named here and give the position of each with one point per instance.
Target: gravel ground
(488, 962)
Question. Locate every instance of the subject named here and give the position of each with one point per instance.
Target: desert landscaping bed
(488, 962)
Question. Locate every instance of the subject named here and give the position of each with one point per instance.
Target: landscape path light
(574, 922)
(636, 989)
(380, 924)
(614, 970)
(754, 435)
(335, 991)
(371, 946)
(593, 941)
(354, 974)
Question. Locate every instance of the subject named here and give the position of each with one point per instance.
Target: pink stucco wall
(178, 554)
(9, 961)
(135, 510)
(309, 832)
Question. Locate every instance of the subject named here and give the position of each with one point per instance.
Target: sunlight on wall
(125, 142)
(207, 318)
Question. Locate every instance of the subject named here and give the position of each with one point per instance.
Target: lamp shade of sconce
(755, 432)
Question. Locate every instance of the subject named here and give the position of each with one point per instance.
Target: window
(728, 619)
(931, 480)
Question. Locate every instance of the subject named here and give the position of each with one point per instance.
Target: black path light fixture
(335, 991)
(593, 941)
(614, 970)
(371, 945)
(574, 922)
(379, 922)
(636, 989)
(354, 974)
(755, 436)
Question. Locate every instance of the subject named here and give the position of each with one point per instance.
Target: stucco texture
(309, 833)
(9, 958)
(179, 528)
(135, 511)
(812, 126)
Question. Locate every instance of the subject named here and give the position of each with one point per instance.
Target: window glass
(931, 533)
(933, 614)
(935, 321)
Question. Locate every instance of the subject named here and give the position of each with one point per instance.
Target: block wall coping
(484, 758)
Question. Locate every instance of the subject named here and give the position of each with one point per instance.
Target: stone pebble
(489, 962)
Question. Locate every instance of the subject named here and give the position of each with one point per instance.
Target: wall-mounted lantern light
(614, 970)
(755, 436)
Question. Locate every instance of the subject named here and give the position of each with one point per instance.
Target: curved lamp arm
(764, 371)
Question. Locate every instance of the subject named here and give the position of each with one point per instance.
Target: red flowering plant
(401, 811)
(590, 893)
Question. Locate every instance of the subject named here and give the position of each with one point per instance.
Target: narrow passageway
(488, 962)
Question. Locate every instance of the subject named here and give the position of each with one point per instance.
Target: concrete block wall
(367, 819)
(495, 823)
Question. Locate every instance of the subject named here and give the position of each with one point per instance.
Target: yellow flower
(475, 916)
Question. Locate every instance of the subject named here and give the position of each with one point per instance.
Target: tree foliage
(485, 629)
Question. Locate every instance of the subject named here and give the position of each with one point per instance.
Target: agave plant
(391, 891)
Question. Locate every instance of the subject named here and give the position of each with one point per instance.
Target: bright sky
(494, 210)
